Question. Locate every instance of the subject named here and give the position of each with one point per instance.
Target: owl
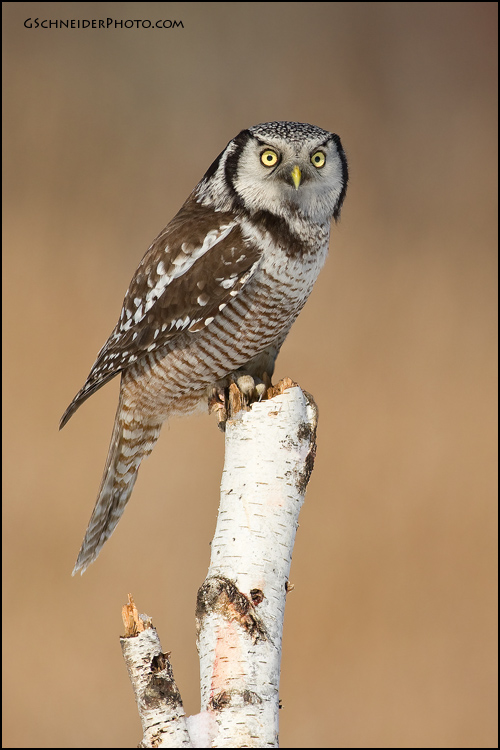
(215, 295)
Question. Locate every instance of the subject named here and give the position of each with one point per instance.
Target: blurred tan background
(390, 633)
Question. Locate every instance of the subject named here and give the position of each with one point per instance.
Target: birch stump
(269, 457)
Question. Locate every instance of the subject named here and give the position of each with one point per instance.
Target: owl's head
(279, 167)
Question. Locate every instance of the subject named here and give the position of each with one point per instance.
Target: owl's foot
(237, 392)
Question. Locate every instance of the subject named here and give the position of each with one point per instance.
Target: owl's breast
(266, 307)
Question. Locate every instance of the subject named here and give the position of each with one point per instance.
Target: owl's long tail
(131, 442)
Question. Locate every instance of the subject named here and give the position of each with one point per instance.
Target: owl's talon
(235, 393)
(261, 391)
(244, 390)
(246, 386)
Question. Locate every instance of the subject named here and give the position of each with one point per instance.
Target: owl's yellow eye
(318, 159)
(269, 158)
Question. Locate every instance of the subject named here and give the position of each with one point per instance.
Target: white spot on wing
(181, 264)
(211, 239)
(228, 283)
(182, 322)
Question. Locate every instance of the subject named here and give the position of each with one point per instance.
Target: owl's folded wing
(191, 271)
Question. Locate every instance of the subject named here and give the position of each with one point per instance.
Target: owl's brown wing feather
(195, 266)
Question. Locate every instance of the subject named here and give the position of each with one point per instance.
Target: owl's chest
(289, 279)
(290, 259)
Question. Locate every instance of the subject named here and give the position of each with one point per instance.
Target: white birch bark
(269, 457)
(270, 452)
(158, 699)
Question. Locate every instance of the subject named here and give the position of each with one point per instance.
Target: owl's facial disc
(286, 169)
(288, 174)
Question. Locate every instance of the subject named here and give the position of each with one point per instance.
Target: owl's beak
(296, 176)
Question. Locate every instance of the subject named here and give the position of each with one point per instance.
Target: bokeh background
(390, 633)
